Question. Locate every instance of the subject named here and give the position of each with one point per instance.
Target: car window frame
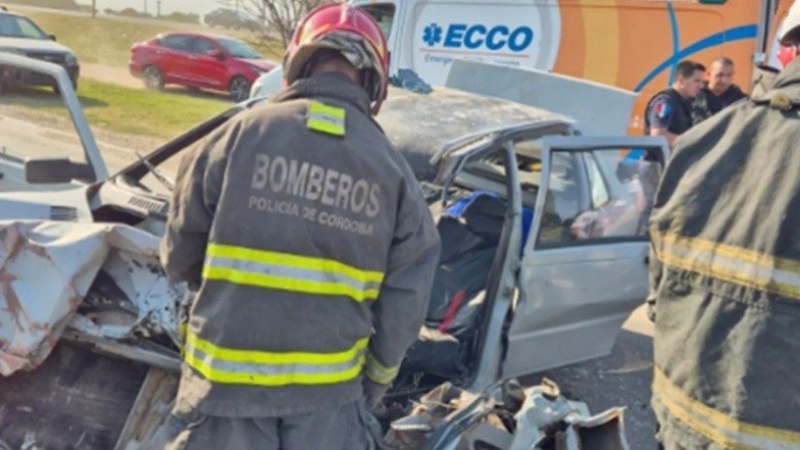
(210, 42)
(163, 42)
(537, 244)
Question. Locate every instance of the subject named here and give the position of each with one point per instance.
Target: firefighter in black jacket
(725, 274)
(313, 251)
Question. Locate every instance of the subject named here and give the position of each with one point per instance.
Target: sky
(200, 7)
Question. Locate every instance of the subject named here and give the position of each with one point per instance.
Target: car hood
(33, 45)
(65, 205)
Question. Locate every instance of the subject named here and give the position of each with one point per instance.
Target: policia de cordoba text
(317, 184)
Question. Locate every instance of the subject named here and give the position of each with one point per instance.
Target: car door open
(583, 269)
(45, 154)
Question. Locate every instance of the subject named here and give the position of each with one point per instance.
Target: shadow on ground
(198, 93)
(42, 98)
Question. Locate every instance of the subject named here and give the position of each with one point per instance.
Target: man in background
(719, 91)
(669, 112)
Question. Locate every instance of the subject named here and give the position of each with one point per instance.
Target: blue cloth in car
(457, 212)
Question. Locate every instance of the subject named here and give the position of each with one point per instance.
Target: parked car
(196, 60)
(521, 286)
(232, 19)
(22, 36)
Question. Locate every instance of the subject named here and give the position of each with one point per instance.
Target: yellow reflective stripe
(257, 379)
(288, 284)
(731, 251)
(736, 265)
(322, 108)
(716, 426)
(327, 119)
(262, 357)
(288, 260)
(379, 373)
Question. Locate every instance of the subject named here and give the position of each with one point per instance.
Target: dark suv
(20, 35)
(231, 19)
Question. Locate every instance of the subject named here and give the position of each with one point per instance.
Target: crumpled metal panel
(547, 421)
(142, 300)
(46, 270)
(509, 418)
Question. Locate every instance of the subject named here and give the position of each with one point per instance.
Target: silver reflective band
(326, 119)
(728, 263)
(291, 272)
(379, 373)
(273, 369)
(270, 368)
(716, 426)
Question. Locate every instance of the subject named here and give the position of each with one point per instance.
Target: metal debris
(47, 269)
(509, 418)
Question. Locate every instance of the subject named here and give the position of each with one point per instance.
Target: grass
(125, 110)
(107, 41)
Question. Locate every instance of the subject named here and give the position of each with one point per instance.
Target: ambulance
(630, 44)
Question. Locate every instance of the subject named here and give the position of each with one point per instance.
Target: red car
(197, 60)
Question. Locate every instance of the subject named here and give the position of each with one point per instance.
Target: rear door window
(177, 43)
(383, 13)
(202, 46)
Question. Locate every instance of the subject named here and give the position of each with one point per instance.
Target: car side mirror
(52, 37)
(216, 54)
(54, 171)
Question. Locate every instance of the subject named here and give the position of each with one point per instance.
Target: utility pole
(145, 6)
(94, 9)
(158, 3)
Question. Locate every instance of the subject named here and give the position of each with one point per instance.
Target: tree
(278, 17)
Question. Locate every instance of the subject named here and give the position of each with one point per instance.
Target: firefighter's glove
(373, 397)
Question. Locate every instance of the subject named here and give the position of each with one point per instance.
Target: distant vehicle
(20, 35)
(200, 61)
(231, 19)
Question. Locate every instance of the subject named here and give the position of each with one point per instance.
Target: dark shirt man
(669, 113)
(718, 92)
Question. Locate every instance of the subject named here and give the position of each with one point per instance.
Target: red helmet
(352, 32)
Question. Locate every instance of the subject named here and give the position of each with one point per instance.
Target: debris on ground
(511, 418)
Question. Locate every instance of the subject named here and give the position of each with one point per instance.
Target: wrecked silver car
(543, 258)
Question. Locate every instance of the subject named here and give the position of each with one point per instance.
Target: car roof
(196, 34)
(421, 126)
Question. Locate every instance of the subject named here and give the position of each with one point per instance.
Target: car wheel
(153, 79)
(239, 88)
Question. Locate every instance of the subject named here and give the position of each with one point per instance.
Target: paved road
(620, 379)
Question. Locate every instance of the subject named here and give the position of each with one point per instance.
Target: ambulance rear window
(383, 13)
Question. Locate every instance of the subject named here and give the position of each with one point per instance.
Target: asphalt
(620, 379)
